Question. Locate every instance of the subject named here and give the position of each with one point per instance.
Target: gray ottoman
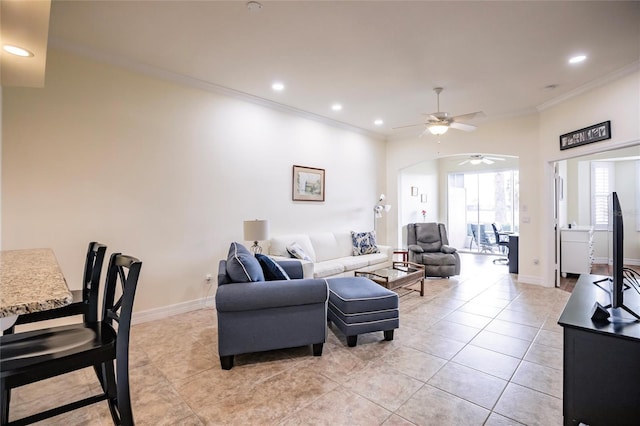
(357, 305)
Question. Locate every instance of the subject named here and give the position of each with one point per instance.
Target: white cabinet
(576, 250)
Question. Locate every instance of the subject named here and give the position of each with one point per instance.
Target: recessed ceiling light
(277, 86)
(378, 122)
(18, 51)
(336, 107)
(577, 59)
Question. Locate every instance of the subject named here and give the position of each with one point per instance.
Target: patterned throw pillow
(364, 243)
(296, 251)
(272, 271)
(242, 266)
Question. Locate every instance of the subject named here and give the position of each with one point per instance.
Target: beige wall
(167, 173)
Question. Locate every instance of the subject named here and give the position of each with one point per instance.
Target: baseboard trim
(171, 310)
(607, 261)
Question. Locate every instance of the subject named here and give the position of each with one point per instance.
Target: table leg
(422, 287)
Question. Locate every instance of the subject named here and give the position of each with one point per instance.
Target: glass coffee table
(399, 275)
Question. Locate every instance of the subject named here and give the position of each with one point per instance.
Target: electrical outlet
(208, 277)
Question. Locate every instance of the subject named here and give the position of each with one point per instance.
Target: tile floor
(478, 349)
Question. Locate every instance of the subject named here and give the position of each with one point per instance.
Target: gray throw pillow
(296, 251)
(242, 266)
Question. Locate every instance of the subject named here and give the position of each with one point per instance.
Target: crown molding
(189, 81)
(612, 76)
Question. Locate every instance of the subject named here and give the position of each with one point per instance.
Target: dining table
(30, 281)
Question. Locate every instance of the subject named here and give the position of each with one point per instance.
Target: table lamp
(256, 230)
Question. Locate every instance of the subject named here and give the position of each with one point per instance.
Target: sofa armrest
(293, 268)
(448, 249)
(307, 266)
(416, 248)
(387, 250)
(235, 297)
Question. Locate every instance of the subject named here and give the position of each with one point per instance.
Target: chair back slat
(91, 279)
(123, 272)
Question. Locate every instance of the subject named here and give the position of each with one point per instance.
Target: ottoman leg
(388, 335)
(317, 349)
(352, 341)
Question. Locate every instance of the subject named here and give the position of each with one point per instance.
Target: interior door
(558, 194)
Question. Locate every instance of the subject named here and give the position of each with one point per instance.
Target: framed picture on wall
(308, 184)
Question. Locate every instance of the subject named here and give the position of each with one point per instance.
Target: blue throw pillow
(242, 266)
(364, 243)
(272, 271)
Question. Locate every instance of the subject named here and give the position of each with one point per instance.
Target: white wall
(626, 184)
(167, 173)
(423, 176)
(1, 167)
(534, 139)
(618, 101)
(515, 137)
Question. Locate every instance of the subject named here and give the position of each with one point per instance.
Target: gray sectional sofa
(261, 316)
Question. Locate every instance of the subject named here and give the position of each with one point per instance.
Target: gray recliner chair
(429, 246)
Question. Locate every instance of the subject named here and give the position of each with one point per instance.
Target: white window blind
(602, 175)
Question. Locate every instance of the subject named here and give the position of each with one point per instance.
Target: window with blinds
(602, 175)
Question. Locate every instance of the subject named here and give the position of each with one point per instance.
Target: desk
(601, 374)
(513, 253)
(30, 281)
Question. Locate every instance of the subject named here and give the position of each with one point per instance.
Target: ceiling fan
(476, 159)
(439, 122)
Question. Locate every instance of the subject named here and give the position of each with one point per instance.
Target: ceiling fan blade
(409, 125)
(487, 161)
(495, 158)
(464, 162)
(462, 126)
(468, 116)
(423, 132)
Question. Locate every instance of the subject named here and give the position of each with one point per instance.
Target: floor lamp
(379, 209)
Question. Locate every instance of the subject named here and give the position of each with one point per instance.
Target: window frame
(597, 195)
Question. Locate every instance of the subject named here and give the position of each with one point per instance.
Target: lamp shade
(256, 230)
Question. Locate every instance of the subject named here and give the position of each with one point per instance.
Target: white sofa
(331, 254)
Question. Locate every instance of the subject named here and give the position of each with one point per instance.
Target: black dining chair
(502, 241)
(82, 299)
(32, 356)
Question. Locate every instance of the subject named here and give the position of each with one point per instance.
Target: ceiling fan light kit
(476, 159)
(439, 122)
(438, 129)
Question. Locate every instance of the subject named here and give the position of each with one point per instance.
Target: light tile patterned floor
(478, 349)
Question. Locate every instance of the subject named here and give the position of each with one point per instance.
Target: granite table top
(31, 281)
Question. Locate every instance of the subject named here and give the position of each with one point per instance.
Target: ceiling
(379, 59)
(26, 24)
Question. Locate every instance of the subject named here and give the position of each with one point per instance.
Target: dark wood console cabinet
(601, 359)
